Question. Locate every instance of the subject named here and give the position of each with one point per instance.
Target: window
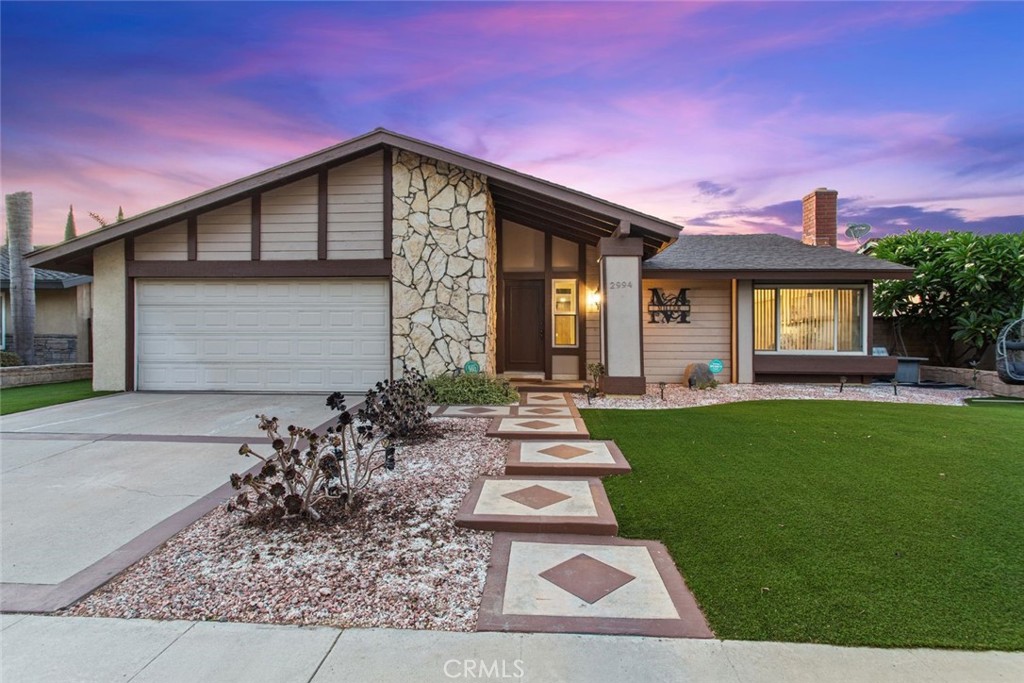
(563, 308)
(806, 320)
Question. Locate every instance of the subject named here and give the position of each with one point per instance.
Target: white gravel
(678, 396)
(400, 562)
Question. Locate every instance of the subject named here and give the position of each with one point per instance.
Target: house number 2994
(620, 284)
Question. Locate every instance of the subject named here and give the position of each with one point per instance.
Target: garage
(267, 335)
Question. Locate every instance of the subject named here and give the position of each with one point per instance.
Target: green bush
(477, 390)
(9, 359)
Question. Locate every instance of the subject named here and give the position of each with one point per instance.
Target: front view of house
(335, 270)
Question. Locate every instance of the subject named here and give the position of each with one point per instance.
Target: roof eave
(795, 275)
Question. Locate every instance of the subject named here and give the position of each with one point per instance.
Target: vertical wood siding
(669, 348)
(165, 244)
(226, 233)
(355, 209)
(289, 225)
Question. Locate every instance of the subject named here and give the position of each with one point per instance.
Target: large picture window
(563, 309)
(809, 320)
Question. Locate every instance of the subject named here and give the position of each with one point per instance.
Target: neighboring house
(334, 270)
(63, 309)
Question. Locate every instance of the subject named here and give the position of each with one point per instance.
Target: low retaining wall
(24, 375)
(987, 380)
(52, 348)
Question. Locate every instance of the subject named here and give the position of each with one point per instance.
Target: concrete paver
(62, 649)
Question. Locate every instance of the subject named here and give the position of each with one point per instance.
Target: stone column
(621, 315)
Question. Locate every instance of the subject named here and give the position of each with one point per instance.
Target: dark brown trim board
(129, 329)
(259, 269)
(389, 194)
(514, 463)
(810, 364)
(690, 624)
(321, 215)
(779, 276)
(256, 224)
(624, 385)
(581, 309)
(602, 524)
(192, 237)
(549, 318)
(499, 304)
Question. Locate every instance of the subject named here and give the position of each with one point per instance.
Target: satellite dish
(857, 230)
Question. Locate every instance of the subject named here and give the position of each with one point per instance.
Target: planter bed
(399, 562)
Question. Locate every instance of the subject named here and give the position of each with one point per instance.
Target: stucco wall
(108, 291)
(443, 267)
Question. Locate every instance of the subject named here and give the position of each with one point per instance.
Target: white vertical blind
(809, 319)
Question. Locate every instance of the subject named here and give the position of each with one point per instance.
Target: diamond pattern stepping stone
(538, 428)
(569, 458)
(475, 411)
(546, 399)
(546, 411)
(571, 505)
(587, 578)
(587, 584)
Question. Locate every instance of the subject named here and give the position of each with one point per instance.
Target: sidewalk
(34, 648)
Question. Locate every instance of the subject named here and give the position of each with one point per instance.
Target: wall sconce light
(593, 300)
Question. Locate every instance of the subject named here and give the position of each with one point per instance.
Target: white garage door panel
(253, 335)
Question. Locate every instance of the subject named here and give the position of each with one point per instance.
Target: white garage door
(261, 335)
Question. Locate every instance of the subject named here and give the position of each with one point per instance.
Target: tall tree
(23, 278)
(965, 288)
(120, 215)
(69, 228)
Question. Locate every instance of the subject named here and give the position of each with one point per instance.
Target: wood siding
(165, 244)
(593, 284)
(669, 348)
(355, 209)
(289, 222)
(225, 234)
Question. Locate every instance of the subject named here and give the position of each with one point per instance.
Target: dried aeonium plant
(307, 470)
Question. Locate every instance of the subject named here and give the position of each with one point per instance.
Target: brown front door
(524, 325)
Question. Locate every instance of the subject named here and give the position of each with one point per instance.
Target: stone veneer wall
(444, 254)
(51, 348)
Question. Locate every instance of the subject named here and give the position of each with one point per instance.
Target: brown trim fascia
(549, 318)
(129, 328)
(499, 305)
(581, 308)
(389, 194)
(814, 364)
(192, 237)
(734, 332)
(780, 276)
(621, 246)
(261, 269)
(321, 215)
(624, 385)
(871, 317)
(256, 223)
(129, 249)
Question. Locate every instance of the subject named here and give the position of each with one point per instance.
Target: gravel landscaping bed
(678, 396)
(399, 562)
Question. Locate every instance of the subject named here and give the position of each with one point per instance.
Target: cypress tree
(69, 228)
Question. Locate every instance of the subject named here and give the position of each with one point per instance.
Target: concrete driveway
(88, 488)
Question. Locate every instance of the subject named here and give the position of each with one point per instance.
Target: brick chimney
(820, 217)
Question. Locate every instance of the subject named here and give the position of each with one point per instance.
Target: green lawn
(18, 399)
(834, 522)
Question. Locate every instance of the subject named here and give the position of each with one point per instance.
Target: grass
(834, 522)
(17, 399)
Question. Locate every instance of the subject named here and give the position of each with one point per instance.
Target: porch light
(593, 300)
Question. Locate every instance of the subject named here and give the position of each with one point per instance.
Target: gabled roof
(767, 256)
(523, 196)
(45, 279)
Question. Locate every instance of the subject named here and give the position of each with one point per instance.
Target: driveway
(88, 488)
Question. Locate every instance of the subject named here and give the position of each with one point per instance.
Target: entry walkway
(60, 649)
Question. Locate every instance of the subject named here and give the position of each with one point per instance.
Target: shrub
(9, 359)
(294, 481)
(477, 390)
(596, 371)
(397, 408)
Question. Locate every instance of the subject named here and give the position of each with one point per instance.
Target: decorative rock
(400, 180)
(406, 300)
(448, 313)
(440, 218)
(460, 217)
(459, 266)
(698, 376)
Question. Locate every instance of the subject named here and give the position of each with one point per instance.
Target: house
(63, 309)
(335, 270)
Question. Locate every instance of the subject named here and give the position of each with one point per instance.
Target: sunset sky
(716, 116)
